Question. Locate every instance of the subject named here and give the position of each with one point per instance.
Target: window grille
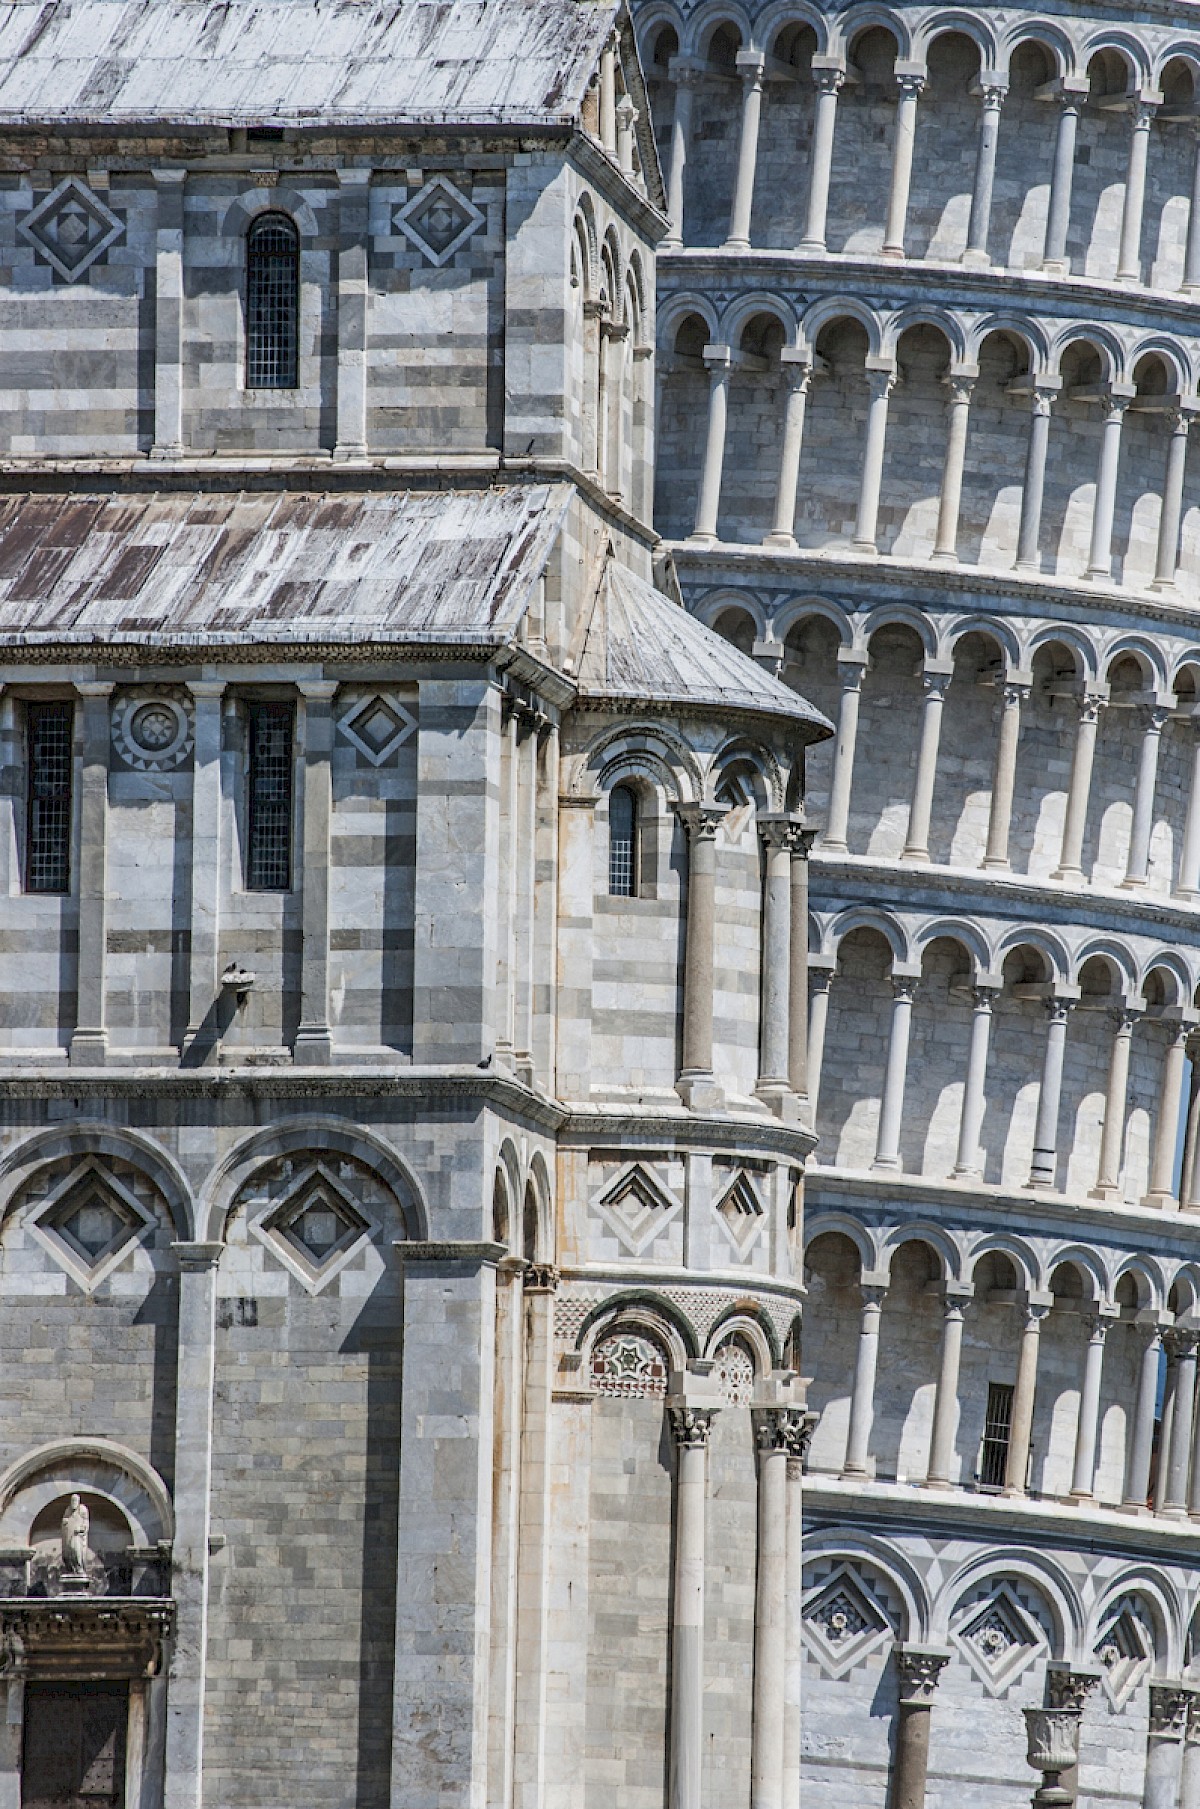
(49, 731)
(997, 1426)
(622, 842)
(269, 826)
(272, 303)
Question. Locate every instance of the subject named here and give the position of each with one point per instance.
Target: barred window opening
(49, 731)
(622, 842)
(997, 1430)
(269, 828)
(272, 303)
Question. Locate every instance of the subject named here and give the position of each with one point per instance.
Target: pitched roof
(251, 567)
(641, 646)
(300, 62)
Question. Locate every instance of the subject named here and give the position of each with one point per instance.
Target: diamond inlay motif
(637, 1207)
(439, 220)
(842, 1624)
(71, 228)
(1125, 1651)
(89, 1221)
(318, 1220)
(999, 1640)
(377, 725)
(742, 1212)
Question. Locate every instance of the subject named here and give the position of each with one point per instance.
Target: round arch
(309, 1134)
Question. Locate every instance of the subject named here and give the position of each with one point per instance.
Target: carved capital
(920, 1670)
(787, 1429)
(701, 820)
(1059, 1009)
(910, 86)
(828, 81)
(1169, 1705)
(690, 1426)
(903, 989)
(541, 1278)
(1067, 1689)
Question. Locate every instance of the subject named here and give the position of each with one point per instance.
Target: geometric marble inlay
(71, 228)
(439, 219)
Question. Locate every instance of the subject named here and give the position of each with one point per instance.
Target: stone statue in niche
(76, 1552)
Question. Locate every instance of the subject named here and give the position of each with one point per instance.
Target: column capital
(317, 690)
(959, 388)
(920, 1669)
(874, 1293)
(1179, 1342)
(881, 380)
(701, 820)
(354, 178)
(717, 358)
(751, 66)
(909, 81)
(95, 687)
(780, 829)
(1090, 703)
(991, 92)
(1035, 1306)
(904, 985)
(935, 676)
(196, 1257)
(1170, 1702)
(690, 1426)
(787, 1429)
(541, 1278)
(827, 78)
(169, 178)
(207, 687)
(984, 993)
(1069, 1686)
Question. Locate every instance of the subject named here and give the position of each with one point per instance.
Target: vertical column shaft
(314, 1039)
(818, 1018)
(1004, 776)
(775, 980)
(798, 1017)
(1034, 487)
(1170, 518)
(533, 724)
(352, 307)
(958, 412)
(1112, 1139)
(533, 1557)
(1141, 1445)
(992, 99)
(168, 314)
(718, 359)
(1070, 863)
(1045, 1136)
(1173, 1497)
(794, 1593)
(681, 147)
(1100, 554)
(891, 1110)
(1058, 215)
(968, 1163)
(1020, 1431)
(89, 1044)
(820, 159)
(920, 1671)
(862, 1398)
(1087, 1425)
(945, 1406)
(902, 161)
(1191, 256)
(1188, 883)
(1161, 1191)
(916, 843)
(866, 527)
(770, 1615)
(751, 67)
(701, 823)
(797, 376)
(1154, 717)
(1129, 260)
(205, 906)
(852, 674)
(1169, 1706)
(690, 1427)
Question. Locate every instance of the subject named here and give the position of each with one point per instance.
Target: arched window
(272, 303)
(623, 842)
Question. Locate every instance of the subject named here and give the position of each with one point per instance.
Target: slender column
(1045, 1136)
(696, 1085)
(862, 1400)
(799, 844)
(352, 313)
(506, 898)
(1189, 1784)
(797, 376)
(718, 360)
(690, 1427)
(945, 546)
(1188, 883)
(916, 843)
(184, 1788)
(1154, 717)
(1175, 1460)
(818, 1018)
(203, 1029)
(1190, 1177)
(627, 118)
(920, 1669)
(991, 97)
(775, 1440)
(89, 1043)
(1069, 1689)
(1129, 260)
(891, 1110)
(751, 67)
(532, 723)
(1100, 556)
(852, 667)
(827, 82)
(1193, 1493)
(1112, 1140)
(1170, 1378)
(795, 1618)
(314, 1038)
(881, 384)
(614, 335)
(910, 85)
(1161, 1191)
(1033, 491)
(1171, 515)
(1020, 1433)
(608, 96)
(968, 1164)
(1141, 1445)
(945, 1406)
(1191, 256)
(168, 315)
(1004, 776)
(1070, 861)
(1058, 214)
(685, 78)
(1169, 1706)
(533, 1557)
(1087, 1425)
(774, 1046)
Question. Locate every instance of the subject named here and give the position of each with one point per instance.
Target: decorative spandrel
(629, 1364)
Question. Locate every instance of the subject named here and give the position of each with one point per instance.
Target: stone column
(533, 1555)
(1033, 490)
(774, 1045)
(168, 314)
(1004, 776)
(184, 1787)
(1171, 514)
(614, 336)
(1188, 883)
(798, 376)
(352, 313)
(777, 1435)
(1169, 1706)
(991, 95)
(827, 79)
(1173, 1494)
(1189, 1785)
(968, 1164)
(795, 1616)
(314, 1038)
(718, 360)
(1087, 1424)
(1154, 717)
(1073, 94)
(89, 1042)
(881, 383)
(862, 1399)
(891, 1109)
(696, 1085)
(204, 983)
(690, 1427)
(1112, 1139)
(608, 96)
(945, 546)
(1020, 1432)
(799, 843)
(1141, 1444)
(685, 76)
(1191, 256)
(945, 1406)
(751, 67)
(919, 1669)
(627, 118)
(916, 842)
(1161, 1191)
(1189, 1184)
(443, 1598)
(1069, 1689)
(1070, 860)
(1100, 555)
(910, 83)
(818, 1018)
(533, 726)
(1194, 1480)
(1129, 259)
(852, 666)
(1045, 1136)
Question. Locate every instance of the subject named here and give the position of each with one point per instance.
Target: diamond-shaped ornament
(842, 1624)
(1125, 1652)
(377, 725)
(637, 1207)
(439, 220)
(89, 1221)
(742, 1212)
(999, 1640)
(71, 228)
(317, 1224)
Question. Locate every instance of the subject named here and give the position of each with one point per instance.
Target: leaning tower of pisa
(929, 340)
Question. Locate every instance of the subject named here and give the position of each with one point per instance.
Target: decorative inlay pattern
(377, 724)
(637, 1205)
(89, 1220)
(71, 228)
(152, 730)
(1125, 1652)
(843, 1624)
(627, 1363)
(438, 220)
(312, 1215)
(999, 1640)
(734, 1373)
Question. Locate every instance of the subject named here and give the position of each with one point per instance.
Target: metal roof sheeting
(300, 62)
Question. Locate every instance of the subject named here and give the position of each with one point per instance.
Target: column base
(814, 247)
(976, 260)
(88, 1049)
(1028, 565)
(703, 539)
(1131, 882)
(1099, 574)
(1133, 1509)
(1068, 876)
(173, 451)
(736, 245)
(996, 864)
(700, 1093)
(343, 454)
(936, 558)
(1056, 266)
(672, 242)
(1161, 584)
(937, 1482)
(1187, 895)
(886, 1165)
(844, 848)
(969, 1173)
(1104, 1193)
(313, 1047)
(778, 1097)
(915, 857)
(523, 1070)
(895, 252)
(781, 543)
(1161, 1200)
(867, 548)
(1171, 1513)
(1080, 1497)
(1042, 1170)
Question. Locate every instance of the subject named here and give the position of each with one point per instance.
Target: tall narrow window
(622, 842)
(272, 303)
(997, 1427)
(49, 764)
(269, 812)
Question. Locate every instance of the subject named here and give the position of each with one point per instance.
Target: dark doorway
(74, 1752)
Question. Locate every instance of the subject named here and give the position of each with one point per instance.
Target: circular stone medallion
(152, 730)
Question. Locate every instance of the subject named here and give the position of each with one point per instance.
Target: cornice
(620, 1126)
